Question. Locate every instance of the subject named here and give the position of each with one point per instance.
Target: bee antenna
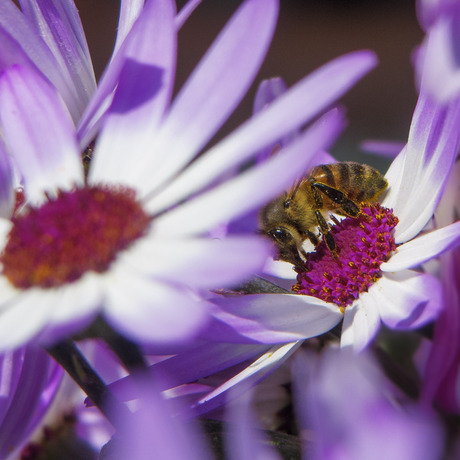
(288, 202)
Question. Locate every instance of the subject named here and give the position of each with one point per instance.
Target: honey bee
(340, 188)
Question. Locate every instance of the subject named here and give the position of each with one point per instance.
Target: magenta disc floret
(363, 244)
(75, 232)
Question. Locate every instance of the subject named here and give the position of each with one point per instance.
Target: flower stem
(70, 358)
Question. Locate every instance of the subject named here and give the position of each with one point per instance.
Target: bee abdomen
(362, 183)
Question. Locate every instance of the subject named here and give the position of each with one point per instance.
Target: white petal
(408, 299)
(149, 311)
(273, 318)
(360, 323)
(302, 102)
(249, 190)
(423, 248)
(22, 318)
(199, 262)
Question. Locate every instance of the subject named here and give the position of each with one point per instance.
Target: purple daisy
(371, 280)
(144, 270)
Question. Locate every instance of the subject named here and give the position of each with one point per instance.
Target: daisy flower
(372, 280)
(127, 241)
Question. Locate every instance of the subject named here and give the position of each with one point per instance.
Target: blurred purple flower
(29, 380)
(438, 59)
(355, 413)
(63, 264)
(441, 375)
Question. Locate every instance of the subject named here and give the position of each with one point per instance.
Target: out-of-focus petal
(58, 23)
(153, 432)
(129, 12)
(213, 90)
(195, 363)
(22, 317)
(361, 322)
(248, 191)
(148, 311)
(143, 74)
(38, 133)
(249, 376)
(185, 12)
(244, 441)
(302, 102)
(440, 66)
(423, 248)
(388, 149)
(17, 26)
(7, 196)
(199, 262)
(271, 318)
(408, 299)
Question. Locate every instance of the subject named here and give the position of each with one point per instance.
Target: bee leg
(324, 228)
(312, 237)
(349, 207)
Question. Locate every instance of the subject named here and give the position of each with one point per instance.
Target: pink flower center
(77, 231)
(363, 244)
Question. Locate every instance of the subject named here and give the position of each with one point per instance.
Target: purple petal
(185, 12)
(388, 149)
(33, 388)
(339, 389)
(195, 363)
(38, 133)
(153, 431)
(248, 377)
(423, 248)
(199, 262)
(143, 91)
(440, 68)
(248, 191)
(58, 23)
(361, 322)
(214, 89)
(271, 318)
(7, 195)
(303, 102)
(15, 24)
(408, 299)
(245, 441)
(431, 149)
(129, 12)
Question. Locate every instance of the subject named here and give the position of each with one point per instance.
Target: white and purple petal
(305, 100)
(248, 191)
(213, 90)
(198, 262)
(407, 299)
(149, 311)
(270, 318)
(58, 23)
(38, 133)
(423, 248)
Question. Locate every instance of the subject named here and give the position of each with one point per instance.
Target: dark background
(309, 33)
